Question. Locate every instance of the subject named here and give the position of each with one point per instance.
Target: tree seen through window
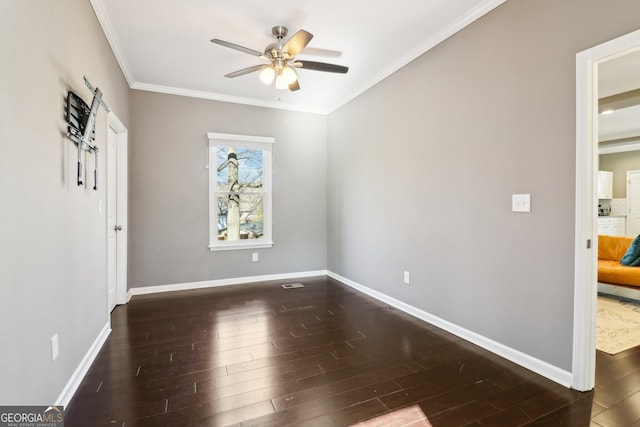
(239, 191)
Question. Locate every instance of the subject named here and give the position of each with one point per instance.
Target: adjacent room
(618, 318)
(413, 174)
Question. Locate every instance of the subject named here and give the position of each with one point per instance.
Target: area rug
(618, 325)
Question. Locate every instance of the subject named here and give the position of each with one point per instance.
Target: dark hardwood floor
(616, 400)
(322, 355)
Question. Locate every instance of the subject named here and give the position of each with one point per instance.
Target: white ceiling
(623, 123)
(616, 76)
(164, 46)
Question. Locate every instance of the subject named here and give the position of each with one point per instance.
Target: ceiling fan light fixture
(281, 82)
(289, 75)
(267, 74)
(281, 70)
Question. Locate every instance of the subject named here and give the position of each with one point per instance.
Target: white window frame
(263, 143)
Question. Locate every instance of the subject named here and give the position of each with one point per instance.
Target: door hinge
(588, 243)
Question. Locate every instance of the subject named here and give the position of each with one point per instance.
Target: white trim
(584, 312)
(241, 245)
(482, 9)
(621, 147)
(109, 32)
(122, 152)
(585, 230)
(144, 290)
(263, 144)
(83, 367)
(226, 137)
(228, 98)
(619, 291)
(545, 369)
(538, 366)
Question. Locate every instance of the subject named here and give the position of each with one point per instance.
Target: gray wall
(619, 164)
(52, 238)
(419, 172)
(423, 166)
(168, 226)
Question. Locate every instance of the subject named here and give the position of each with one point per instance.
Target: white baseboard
(619, 291)
(83, 367)
(143, 290)
(538, 366)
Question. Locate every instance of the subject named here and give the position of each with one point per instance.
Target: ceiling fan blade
(297, 42)
(294, 86)
(321, 66)
(246, 71)
(236, 47)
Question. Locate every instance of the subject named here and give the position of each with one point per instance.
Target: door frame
(122, 171)
(586, 203)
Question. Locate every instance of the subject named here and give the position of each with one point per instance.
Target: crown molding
(226, 98)
(103, 18)
(109, 32)
(479, 11)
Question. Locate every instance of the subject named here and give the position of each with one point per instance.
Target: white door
(633, 203)
(116, 213)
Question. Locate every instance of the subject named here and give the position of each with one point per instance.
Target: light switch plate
(521, 202)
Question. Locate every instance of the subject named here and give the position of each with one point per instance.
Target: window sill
(236, 246)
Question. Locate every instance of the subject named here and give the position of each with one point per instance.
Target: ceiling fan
(282, 65)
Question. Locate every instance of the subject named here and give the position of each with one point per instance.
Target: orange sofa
(611, 249)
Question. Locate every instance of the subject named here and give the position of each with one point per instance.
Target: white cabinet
(605, 185)
(611, 225)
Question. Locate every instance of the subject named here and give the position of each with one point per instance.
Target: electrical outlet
(55, 349)
(254, 257)
(407, 277)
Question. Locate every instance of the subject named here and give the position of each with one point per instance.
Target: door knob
(118, 228)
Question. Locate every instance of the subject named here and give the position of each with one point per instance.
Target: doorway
(117, 189)
(585, 291)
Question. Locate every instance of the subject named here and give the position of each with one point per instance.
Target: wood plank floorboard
(321, 355)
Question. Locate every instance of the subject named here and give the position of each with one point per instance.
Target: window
(239, 191)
